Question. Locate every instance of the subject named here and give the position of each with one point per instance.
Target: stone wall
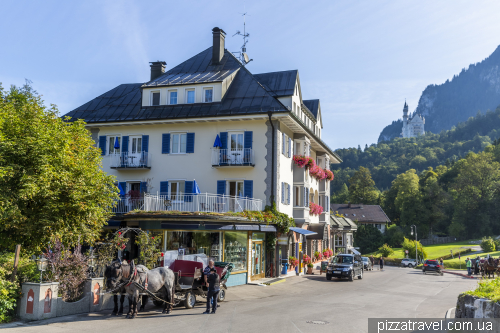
(474, 307)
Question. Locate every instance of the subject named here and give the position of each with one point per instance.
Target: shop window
(196, 242)
(235, 249)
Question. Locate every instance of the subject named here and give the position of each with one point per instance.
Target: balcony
(125, 205)
(126, 160)
(232, 157)
(203, 202)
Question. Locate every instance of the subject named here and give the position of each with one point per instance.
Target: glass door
(257, 261)
(236, 192)
(134, 152)
(236, 148)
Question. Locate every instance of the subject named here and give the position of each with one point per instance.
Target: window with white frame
(136, 145)
(172, 97)
(112, 140)
(175, 192)
(208, 94)
(155, 98)
(190, 96)
(179, 143)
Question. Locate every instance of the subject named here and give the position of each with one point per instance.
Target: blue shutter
(124, 186)
(247, 145)
(165, 143)
(188, 190)
(221, 187)
(288, 201)
(289, 147)
(306, 201)
(124, 149)
(327, 203)
(145, 143)
(248, 188)
(144, 187)
(305, 195)
(190, 143)
(102, 144)
(223, 152)
(283, 143)
(282, 192)
(164, 188)
(223, 139)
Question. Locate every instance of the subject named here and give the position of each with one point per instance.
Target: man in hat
(213, 290)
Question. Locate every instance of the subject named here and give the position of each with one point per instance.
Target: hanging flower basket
(329, 175)
(303, 161)
(315, 209)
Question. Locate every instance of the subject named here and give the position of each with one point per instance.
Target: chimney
(218, 46)
(157, 69)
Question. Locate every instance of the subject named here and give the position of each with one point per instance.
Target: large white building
(412, 127)
(210, 124)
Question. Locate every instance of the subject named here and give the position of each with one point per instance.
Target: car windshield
(365, 259)
(342, 260)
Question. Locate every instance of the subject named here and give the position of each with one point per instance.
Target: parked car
(432, 266)
(367, 264)
(409, 263)
(345, 266)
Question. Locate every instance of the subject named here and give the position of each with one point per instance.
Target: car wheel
(360, 276)
(221, 296)
(410, 266)
(190, 300)
(328, 277)
(351, 276)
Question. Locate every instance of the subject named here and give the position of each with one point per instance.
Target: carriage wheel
(221, 296)
(157, 303)
(190, 300)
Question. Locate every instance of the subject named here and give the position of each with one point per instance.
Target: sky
(362, 59)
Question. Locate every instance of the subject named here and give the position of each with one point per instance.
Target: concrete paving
(301, 304)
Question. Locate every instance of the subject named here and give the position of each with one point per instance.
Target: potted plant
(310, 268)
(306, 259)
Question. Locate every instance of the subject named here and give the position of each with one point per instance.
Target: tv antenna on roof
(243, 56)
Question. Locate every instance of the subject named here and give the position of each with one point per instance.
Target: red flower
(162, 254)
(119, 232)
(152, 238)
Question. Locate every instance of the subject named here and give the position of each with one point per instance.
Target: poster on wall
(181, 252)
(283, 240)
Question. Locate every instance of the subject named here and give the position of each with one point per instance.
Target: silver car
(367, 264)
(409, 263)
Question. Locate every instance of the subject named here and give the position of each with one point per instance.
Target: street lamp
(41, 265)
(92, 260)
(416, 244)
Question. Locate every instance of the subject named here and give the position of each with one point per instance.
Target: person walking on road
(381, 263)
(469, 266)
(373, 261)
(213, 290)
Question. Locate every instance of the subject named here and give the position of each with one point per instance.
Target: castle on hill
(412, 127)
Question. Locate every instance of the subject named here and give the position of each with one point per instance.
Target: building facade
(208, 137)
(364, 214)
(412, 127)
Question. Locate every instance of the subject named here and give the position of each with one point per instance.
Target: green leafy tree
(385, 250)
(51, 183)
(368, 238)
(488, 244)
(410, 245)
(362, 187)
(394, 236)
(342, 196)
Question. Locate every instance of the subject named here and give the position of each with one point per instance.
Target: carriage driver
(206, 271)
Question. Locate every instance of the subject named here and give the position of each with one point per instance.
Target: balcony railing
(128, 160)
(231, 157)
(125, 205)
(203, 202)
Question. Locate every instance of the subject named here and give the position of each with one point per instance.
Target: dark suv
(432, 266)
(345, 266)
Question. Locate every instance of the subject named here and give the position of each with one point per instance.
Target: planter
(309, 270)
(469, 306)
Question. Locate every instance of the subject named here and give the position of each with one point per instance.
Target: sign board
(406, 251)
(283, 240)
(31, 299)
(300, 247)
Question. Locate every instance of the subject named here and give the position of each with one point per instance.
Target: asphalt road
(335, 306)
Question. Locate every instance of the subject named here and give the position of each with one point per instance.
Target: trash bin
(284, 269)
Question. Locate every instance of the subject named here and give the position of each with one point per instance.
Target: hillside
(388, 159)
(474, 89)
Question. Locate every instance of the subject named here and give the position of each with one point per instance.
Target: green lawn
(455, 263)
(433, 251)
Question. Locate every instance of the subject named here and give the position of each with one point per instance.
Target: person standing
(441, 262)
(206, 271)
(213, 290)
(372, 261)
(469, 266)
(381, 263)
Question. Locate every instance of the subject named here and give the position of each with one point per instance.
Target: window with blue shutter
(248, 146)
(144, 187)
(164, 188)
(190, 143)
(221, 187)
(165, 143)
(289, 194)
(145, 143)
(188, 190)
(282, 192)
(248, 188)
(289, 147)
(124, 188)
(102, 144)
(124, 148)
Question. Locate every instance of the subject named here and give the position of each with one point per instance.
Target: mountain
(443, 106)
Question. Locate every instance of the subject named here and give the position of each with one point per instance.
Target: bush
(487, 289)
(488, 244)
(385, 250)
(497, 244)
(394, 236)
(9, 293)
(410, 245)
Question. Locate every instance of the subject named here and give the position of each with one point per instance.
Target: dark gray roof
(198, 69)
(319, 228)
(123, 103)
(362, 213)
(313, 106)
(279, 83)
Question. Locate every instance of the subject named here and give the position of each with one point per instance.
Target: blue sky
(360, 58)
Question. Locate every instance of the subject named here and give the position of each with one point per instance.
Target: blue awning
(303, 231)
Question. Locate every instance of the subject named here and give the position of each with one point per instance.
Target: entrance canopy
(353, 250)
(303, 231)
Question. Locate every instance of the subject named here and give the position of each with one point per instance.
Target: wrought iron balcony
(126, 160)
(232, 157)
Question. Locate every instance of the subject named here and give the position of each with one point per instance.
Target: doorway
(133, 195)
(236, 192)
(257, 261)
(236, 151)
(135, 151)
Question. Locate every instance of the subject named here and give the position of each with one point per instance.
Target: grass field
(434, 251)
(455, 263)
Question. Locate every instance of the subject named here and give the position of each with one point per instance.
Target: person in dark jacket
(213, 290)
(381, 263)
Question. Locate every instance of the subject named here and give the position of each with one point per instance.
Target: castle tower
(405, 121)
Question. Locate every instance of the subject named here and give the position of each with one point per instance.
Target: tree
(408, 200)
(488, 244)
(385, 250)
(368, 238)
(342, 196)
(362, 187)
(394, 236)
(410, 245)
(51, 183)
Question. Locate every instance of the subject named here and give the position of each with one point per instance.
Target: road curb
(450, 313)
(460, 274)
